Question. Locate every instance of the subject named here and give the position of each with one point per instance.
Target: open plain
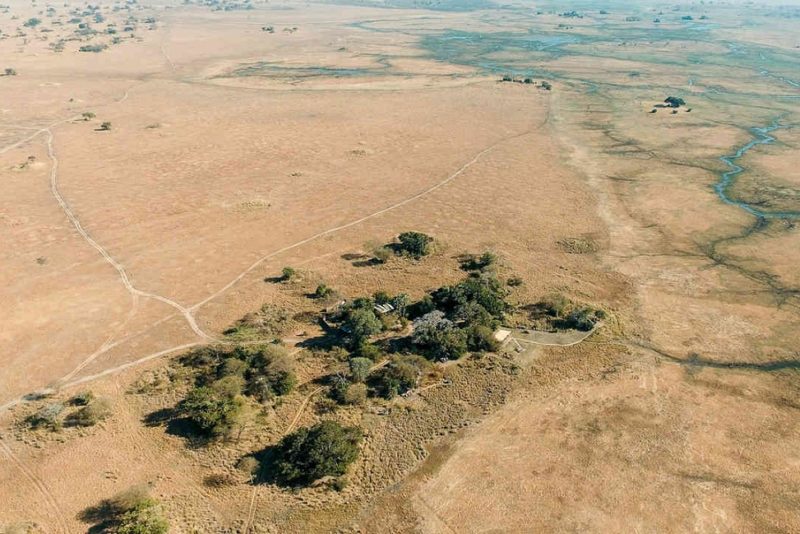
(161, 163)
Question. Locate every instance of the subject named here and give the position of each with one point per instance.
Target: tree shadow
(103, 517)
(371, 262)
(178, 426)
(351, 256)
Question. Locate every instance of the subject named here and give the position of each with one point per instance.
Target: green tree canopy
(325, 449)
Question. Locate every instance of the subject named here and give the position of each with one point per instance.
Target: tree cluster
(216, 405)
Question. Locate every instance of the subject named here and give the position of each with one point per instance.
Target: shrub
(484, 290)
(381, 254)
(323, 291)
(421, 307)
(233, 367)
(438, 337)
(105, 126)
(360, 368)
(415, 244)
(369, 351)
(674, 102)
(287, 274)
(132, 511)
(47, 417)
(87, 115)
(95, 48)
(269, 320)
(481, 339)
(514, 281)
(32, 22)
(581, 319)
(271, 373)
(402, 374)
(484, 261)
(145, 518)
(10, 72)
(214, 414)
(82, 399)
(90, 414)
(355, 394)
(248, 465)
(325, 449)
(228, 386)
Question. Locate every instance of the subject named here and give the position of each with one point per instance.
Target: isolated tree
(415, 244)
(87, 115)
(10, 72)
(325, 449)
(105, 126)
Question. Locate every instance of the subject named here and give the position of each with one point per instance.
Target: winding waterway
(761, 137)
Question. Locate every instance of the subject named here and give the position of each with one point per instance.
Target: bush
(132, 511)
(233, 367)
(360, 368)
(481, 339)
(421, 307)
(325, 449)
(355, 394)
(249, 465)
(368, 351)
(215, 414)
(95, 48)
(269, 320)
(47, 417)
(581, 319)
(145, 518)
(360, 323)
(480, 263)
(381, 254)
(271, 373)
(401, 375)
(414, 244)
(322, 291)
(90, 414)
(438, 337)
(228, 386)
(82, 399)
(674, 102)
(484, 290)
(287, 274)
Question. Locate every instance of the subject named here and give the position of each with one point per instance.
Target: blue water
(761, 137)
